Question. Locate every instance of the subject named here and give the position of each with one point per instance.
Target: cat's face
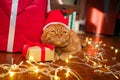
(56, 34)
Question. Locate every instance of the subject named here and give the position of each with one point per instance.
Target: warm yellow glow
(31, 58)
(112, 47)
(70, 56)
(116, 50)
(39, 77)
(14, 67)
(96, 45)
(11, 73)
(28, 61)
(56, 78)
(61, 67)
(94, 64)
(36, 69)
(52, 70)
(41, 63)
(67, 73)
(67, 60)
(90, 39)
(89, 42)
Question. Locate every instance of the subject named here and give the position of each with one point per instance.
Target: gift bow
(42, 46)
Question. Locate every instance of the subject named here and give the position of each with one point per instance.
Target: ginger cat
(66, 41)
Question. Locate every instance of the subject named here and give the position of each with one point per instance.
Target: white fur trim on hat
(55, 23)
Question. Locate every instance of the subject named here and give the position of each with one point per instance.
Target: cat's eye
(64, 32)
(53, 31)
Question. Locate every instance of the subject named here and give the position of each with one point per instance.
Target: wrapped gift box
(30, 20)
(39, 52)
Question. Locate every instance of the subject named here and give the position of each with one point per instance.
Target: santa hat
(56, 17)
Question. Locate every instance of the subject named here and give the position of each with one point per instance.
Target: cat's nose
(59, 36)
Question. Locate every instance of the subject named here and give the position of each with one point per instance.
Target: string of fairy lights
(52, 70)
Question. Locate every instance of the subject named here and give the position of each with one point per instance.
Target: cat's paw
(63, 57)
(57, 57)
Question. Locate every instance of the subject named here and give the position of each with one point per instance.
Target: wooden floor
(85, 67)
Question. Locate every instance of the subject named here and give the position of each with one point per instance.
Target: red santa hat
(56, 17)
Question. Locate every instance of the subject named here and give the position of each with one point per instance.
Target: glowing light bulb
(116, 50)
(67, 60)
(89, 42)
(31, 58)
(61, 67)
(112, 47)
(56, 78)
(14, 67)
(67, 73)
(94, 64)
(70, 56)
(41, 63)
(11, 73)
(90, 39)
(28, 62)
(96, 45)
(36, 69)
(39, 77)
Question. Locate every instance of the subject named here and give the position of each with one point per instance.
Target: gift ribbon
(42, 53)
(12, 25)
(48, 6)
(42, 46)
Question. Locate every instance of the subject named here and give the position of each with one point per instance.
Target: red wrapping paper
(30, 20)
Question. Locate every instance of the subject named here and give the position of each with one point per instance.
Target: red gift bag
(21, 22)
